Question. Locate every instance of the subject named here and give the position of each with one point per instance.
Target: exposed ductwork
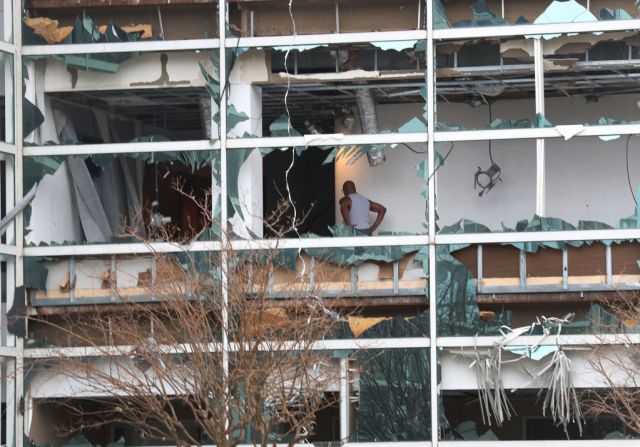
(369, 122)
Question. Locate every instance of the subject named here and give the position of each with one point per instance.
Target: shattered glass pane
(527, 423)
(393, 403)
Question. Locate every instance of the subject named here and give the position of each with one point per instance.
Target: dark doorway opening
(312, 187)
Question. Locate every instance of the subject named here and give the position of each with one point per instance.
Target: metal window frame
(430, 138)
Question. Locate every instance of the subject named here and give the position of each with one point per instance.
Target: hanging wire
(490, 121)
(293, 150)
(412, 149)
(442, 162)
(633, 195)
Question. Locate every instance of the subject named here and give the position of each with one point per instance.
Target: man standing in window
(355, 210)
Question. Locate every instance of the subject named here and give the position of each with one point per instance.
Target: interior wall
(586, 177)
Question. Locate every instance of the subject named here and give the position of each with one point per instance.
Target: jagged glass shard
(397, 45)
(281, 127)
(484, 16)
(414, 125)
(614, 14)
(568, 11)
(299, 48)
(440, 19)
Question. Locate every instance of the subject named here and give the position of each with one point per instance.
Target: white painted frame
(431, 239)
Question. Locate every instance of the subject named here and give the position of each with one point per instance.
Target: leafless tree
(617, 364)
(238, 364)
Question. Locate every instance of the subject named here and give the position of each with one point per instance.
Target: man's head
(348, 187)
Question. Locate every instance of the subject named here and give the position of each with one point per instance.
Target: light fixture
(487, 179)
(157, 218)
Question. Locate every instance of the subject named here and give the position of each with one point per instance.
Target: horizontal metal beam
(7, 148)
(533, 133)
(240, 143)
(139, 248)
(328, 140)
(7, 351)
(121, 47)
(63, 4)
(551, 340)
(335, 242)
(535, 29)
(538, 236)
(121, 148)
(7, 47)
(259, 244)
(564, 443)
(356, 344)
(323, 140)
(320, 345)
(7, 250)
(322, 39)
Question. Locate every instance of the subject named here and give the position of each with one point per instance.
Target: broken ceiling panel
(396, 45)
(565, 44)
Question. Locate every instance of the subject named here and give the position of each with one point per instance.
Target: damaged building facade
(501, 136)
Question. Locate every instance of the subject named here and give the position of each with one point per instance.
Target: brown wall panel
(625, 258)
(587, 260)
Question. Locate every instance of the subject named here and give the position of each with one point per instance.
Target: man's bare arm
(345, 206)
(381, 210)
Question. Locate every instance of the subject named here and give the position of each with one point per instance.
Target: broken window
(458, 14)
(520, 282)
(372, 292)
(123, 197)
(595, 73)
(120, 278)
(527, 424)
(391, 401)
(49, 23)
(254, 18)
(319, 89)
(81, 99)
(486, 84)
(292, 192)
(584, 174)
(484, 185)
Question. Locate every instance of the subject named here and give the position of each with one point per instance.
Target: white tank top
(359, 212)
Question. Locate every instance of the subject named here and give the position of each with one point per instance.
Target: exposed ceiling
(177, 109)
